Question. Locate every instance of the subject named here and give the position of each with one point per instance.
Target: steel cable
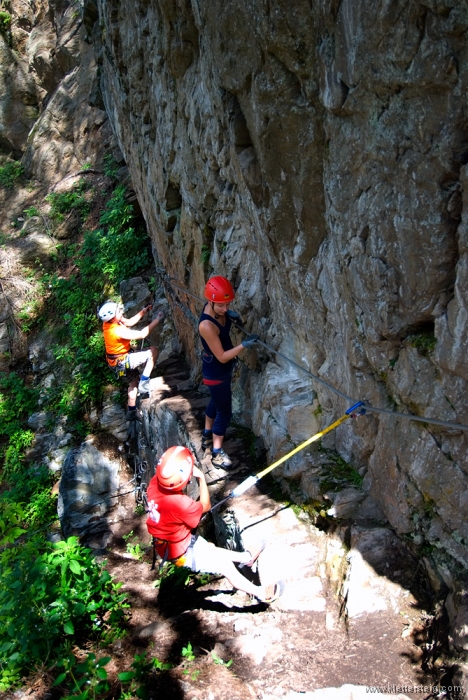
(372, 409)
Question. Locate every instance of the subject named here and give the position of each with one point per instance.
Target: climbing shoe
(274, 591)
(220, 459)
(144, 386)
(133, 414)
(206, 441)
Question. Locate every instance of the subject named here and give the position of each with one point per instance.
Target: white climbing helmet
(107, 311)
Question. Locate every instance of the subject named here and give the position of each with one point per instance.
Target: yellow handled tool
(251, 480)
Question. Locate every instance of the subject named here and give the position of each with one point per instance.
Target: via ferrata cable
(368, 406)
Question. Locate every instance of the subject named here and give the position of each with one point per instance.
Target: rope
(368, 406)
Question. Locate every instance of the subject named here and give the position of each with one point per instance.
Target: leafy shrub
(140, 674)
(17, 401)
(88, 678)
(111, 167)
(49, 592)
(62, 203)
(5, 21)
(424, 342)
(106, 256)
(31, 211)
(10, 173)
(31, 491)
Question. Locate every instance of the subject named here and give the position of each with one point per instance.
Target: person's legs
(218, 416)
(151, 361)
(132, 392)
(148, 358)
(221, 395)
(211, 559)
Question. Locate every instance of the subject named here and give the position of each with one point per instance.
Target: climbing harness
(358, 409)
(121, 366)
(180, 561)
(372, 409)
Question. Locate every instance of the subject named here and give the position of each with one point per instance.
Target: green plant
(113, 252)
(5, 21)
(49, 593)
(111, 635)
(17, 401)
(62, 203)
(187, 652)
(87, 166)
(31, 211)
(139, 509)
(424, 342)
(339, 473)
(10, 173)
(139, 675)
(205, 253)
(111, 167)
(87, 680)
(133, 546)
(220, 661)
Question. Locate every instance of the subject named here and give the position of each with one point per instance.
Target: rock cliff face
(318, 153)
(315, 153)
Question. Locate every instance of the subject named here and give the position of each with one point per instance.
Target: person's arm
(205, 499)
(134, 319)
(208, 333)
(128, 334)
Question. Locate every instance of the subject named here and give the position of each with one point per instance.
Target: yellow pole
(315, 437)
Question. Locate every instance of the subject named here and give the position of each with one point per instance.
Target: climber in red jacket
(117, 337)
(173, 516)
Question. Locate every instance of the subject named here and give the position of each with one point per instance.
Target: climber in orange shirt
(117, 337)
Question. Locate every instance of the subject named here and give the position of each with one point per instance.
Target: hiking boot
(144, 386)
(220, 459)
(206, 441)
(133, 415)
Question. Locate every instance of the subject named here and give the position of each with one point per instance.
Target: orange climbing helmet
(219, 290)
(175, 468)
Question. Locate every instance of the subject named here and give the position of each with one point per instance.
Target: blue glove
(234, 316)
(250, 341)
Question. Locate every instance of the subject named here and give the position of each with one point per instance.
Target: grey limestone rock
(90, 480)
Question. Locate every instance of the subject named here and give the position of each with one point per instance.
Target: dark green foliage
(10, 173)
(55, 595)
(31, 211)
(87, 679)
(338, 473)
(5, 20)
(17, 401)
(49, 592)
(424, 342)
(107, 255)
(111, 167)
(62, 203)
(140, 674)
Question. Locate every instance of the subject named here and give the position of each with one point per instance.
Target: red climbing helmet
(175, 468)
(219, 290)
